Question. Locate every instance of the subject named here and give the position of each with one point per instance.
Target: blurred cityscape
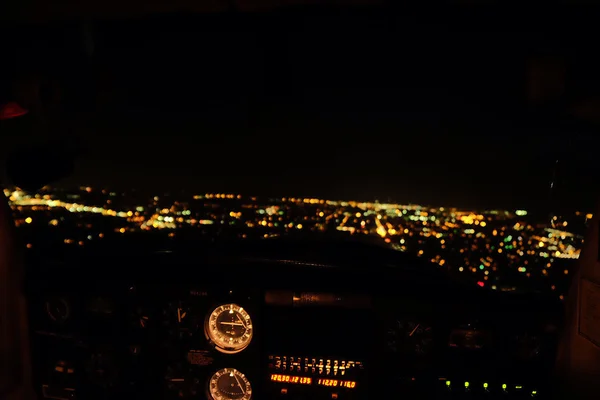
(503, 250)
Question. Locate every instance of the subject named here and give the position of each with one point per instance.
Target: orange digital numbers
(328, 382)
(336, 383)
(303, 380)
(298, 380)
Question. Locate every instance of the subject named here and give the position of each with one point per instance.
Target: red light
(481, 284)
(11, 110)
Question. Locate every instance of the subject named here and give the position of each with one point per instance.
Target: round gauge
(58, 309)
(410, 337)
(229, 384)
(229, 328)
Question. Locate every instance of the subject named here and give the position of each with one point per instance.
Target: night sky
(447, 108)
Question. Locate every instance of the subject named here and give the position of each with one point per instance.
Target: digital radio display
(336, 383)
(315, 366)
(302, 380)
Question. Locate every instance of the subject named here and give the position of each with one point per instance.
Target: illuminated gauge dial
(229, 384)
(229, 328)
(58, 309)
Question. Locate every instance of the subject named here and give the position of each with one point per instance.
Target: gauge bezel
(245, 379)
(220, 345)
(51, 314)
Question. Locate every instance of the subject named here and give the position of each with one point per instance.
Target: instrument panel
(179, 341)
(174, 343)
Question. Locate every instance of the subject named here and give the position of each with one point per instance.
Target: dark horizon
(439, 109)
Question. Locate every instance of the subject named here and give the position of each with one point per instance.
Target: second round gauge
(229, 328)
(229, 384)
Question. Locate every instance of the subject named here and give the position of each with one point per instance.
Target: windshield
(404, 131)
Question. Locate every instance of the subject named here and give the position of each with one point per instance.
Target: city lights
(486, 247)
